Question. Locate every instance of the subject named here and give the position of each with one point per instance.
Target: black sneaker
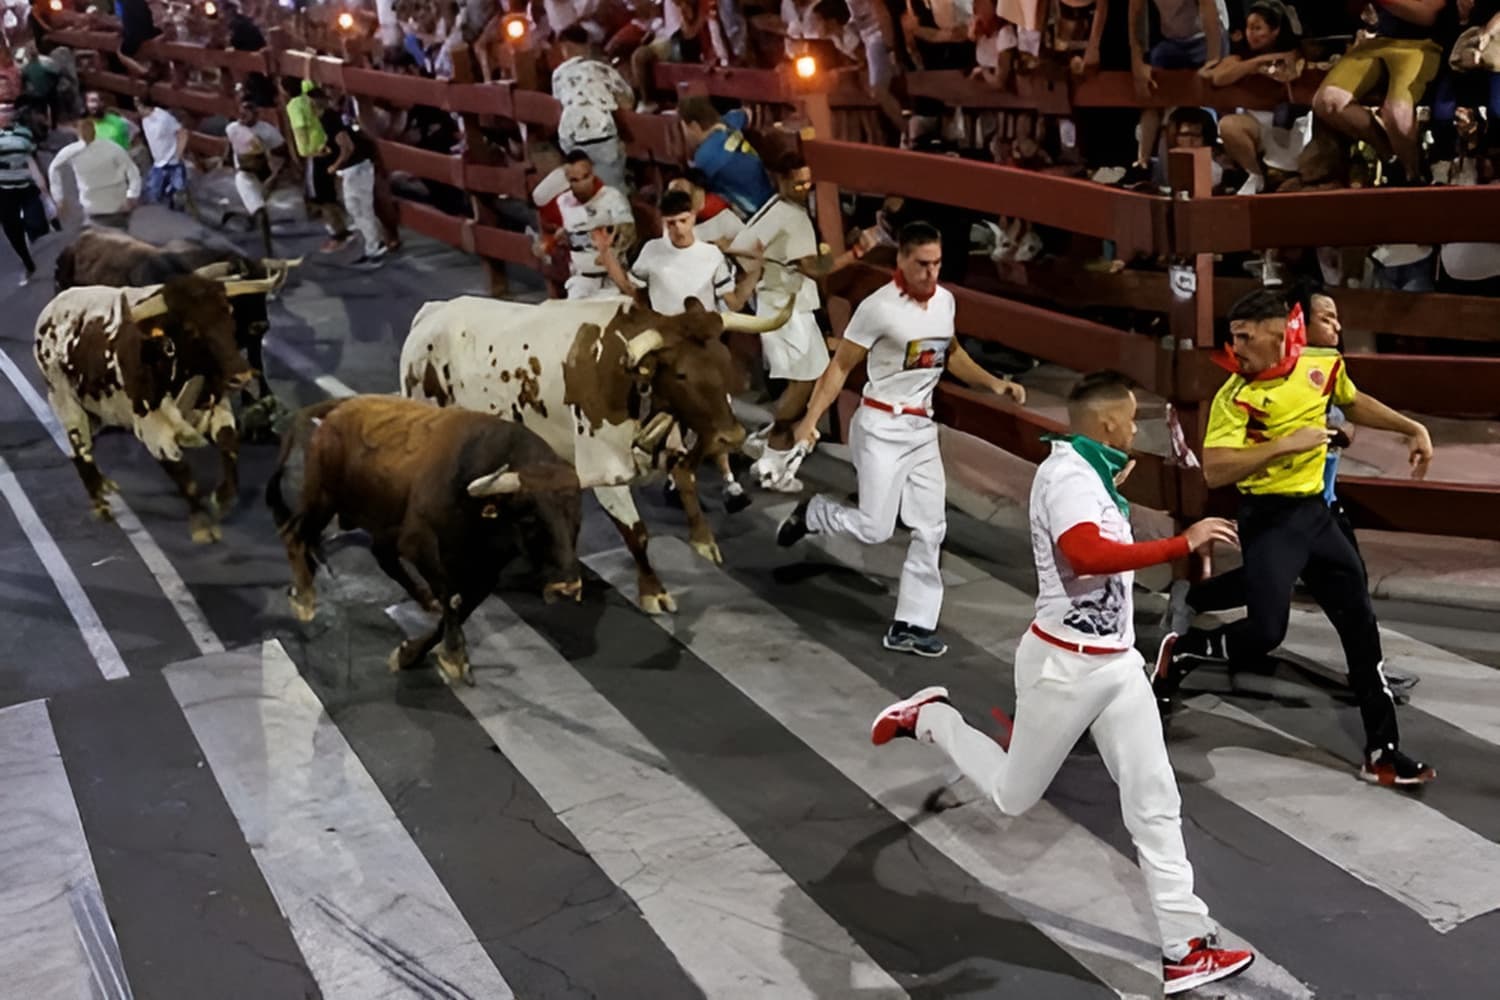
(1392, 768)
(735, 497)
(1177, 657)
(794, 528)
(904, 638)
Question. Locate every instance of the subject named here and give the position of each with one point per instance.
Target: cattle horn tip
(187, 396)
(496, 483)
(643, 344)
(150, 307)
(740, 323)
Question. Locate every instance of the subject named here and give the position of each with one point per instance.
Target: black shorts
(321, 189)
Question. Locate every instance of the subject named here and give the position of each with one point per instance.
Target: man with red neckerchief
(904, 331)
(1268, 435)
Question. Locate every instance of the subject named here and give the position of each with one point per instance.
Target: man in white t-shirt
(588, 205)
(904, 333)
(676, 267)
(590, 90)
(797, 351)
(259, 155)
(717, 222)
(1077, 669)
(167, 140)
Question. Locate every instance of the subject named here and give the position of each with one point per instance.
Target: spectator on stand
(1276, 139)
(166, 140)
(682, 37)
(720, 150)
(311, 144)
(354, 166)
(590, 91)
(994, 45)
(1079, 29)
(1193, 32)
(259, 155)
(1402, 52)
(1186, 128)
(137, 27)
(108, 181)
(244, 35)
(21, 188)
(1467, 83)
(587, 205)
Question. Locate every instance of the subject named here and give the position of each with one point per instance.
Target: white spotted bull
(601, 381)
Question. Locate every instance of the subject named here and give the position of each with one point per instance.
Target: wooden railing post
(477, 150)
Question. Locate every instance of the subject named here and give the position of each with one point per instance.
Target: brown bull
(456, 494)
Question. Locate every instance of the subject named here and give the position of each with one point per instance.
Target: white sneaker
(1254, 184)
(755, 444)
(782, 484)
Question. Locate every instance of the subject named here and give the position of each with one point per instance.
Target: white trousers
(358, 183)
(252, 191)
(900, 471)
(795, 351)
(1059, 694)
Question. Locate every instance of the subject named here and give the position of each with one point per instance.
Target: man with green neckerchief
(1077, 669)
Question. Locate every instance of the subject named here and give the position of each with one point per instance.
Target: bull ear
(216, 271)
(187, 397)
(643, 344)
(496, 483)
(250, 286)
(740, 323)
(149, 308)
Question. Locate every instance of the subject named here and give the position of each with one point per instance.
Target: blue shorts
(163, 182)
(1179, 53)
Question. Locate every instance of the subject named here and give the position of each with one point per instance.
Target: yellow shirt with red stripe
(1246, 413)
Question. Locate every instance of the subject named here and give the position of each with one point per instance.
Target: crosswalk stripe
(57, 938)
(366, 910)
(828, 703)
(718, 902)
(1453, 688)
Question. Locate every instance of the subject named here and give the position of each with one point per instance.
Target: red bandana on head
(1296, 339)
(905, 289)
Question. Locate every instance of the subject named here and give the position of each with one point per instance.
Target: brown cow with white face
(601, 381)
(456, 494)
(161, 361)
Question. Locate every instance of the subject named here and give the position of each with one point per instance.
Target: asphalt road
(203, 798)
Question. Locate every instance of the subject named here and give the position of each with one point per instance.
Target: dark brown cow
(161, 362)
(456, 494)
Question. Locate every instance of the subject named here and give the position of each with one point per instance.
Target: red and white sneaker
(900, 719)
(1205, 963)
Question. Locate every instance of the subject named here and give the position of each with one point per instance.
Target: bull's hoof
(710, 551)
(304, 606)
(101, 510)
(108, 486)
(658, 604)
(403, 657)
(429, 603)
(456, 667)
(204, 529)
(224, 499)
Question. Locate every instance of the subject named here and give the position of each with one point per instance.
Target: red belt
(908, 411)
(1075, 647)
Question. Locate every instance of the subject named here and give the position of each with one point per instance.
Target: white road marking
(156, 561)
(366, 909)
(53, 943)
(306, 368)
(95, 635)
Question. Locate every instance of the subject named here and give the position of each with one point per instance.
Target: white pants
(1059, 694)
(796, 351)
(900, 471)
(589, 286)
(358, 183)
(251, 190)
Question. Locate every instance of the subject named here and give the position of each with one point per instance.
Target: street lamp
(805, 66)
(346, 21)
(210, 8)
(514, 27)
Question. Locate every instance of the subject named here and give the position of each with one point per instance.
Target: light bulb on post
(210, 8)
(513, 26)
(346, 21)
(56, 5)
(806, 67)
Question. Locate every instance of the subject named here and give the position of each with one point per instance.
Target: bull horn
(217, 270)
(187, 396)
(651, 435)
(496, 483)
(250, 286)
(149, 308)
(740, 323)
(281, 262)
(643, 344)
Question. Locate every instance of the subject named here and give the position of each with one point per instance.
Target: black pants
(13, 219)
(1281, 539)
(1227, 590)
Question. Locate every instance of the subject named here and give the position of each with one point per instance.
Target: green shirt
(307, 132)
(114, 128)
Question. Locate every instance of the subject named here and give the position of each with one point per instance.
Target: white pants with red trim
(1059, 694)
(900, 471)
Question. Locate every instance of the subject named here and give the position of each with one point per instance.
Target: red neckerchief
(712, 206)
(1296, 339)
(904, 289)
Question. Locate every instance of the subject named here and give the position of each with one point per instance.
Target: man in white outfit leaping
(904, 330)
(1077, 669)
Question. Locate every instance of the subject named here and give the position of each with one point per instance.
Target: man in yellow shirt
(1268, 435)
(311, 143)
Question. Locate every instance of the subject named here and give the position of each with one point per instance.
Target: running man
(905, 331)
(1077, 669)
(1268, 434)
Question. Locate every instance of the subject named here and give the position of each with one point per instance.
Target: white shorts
(1281, 148)
(587, 286)
(252, 192)
(796, 351)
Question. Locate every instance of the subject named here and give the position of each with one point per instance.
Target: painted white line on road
(1080, 892)
(55, 939)
(366, 909)
(95, 635)
(157, 563)
(304, 366)
(725, 909)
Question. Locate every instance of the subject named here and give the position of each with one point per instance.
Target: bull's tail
(65, 274)
(288, 521)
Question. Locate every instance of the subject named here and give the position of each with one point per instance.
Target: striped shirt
(16, 151)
